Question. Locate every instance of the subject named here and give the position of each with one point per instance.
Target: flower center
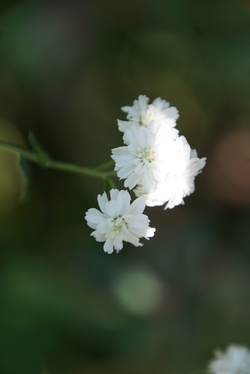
(146, 155)
(145, 118)
(118, 224)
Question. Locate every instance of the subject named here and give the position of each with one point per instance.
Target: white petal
(138, 206)
(102, 201)
(123, 125)
(132, 181)
(138, 225)
(118, 244)
(98, 237)
(113, 193)
(147, 181)
(126, 171)
(103, 227)
(94, 217)
(131, 136)
(108, 246)
(123, 200)
(130, 238)
(143, 101)
(141, 137)
(113, 209)
(150, 232)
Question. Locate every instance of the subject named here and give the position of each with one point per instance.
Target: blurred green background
(66, 69)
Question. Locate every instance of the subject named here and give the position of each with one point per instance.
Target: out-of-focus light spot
(12, 179)
(228, 169)
(139, 292)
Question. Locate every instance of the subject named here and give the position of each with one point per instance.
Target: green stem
(57, 165)
(111, 183)
(103, 165)
(21, 151)
(71, 168)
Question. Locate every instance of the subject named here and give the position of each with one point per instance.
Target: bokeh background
(66, 69)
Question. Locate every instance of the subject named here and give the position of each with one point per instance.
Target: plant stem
(71, 168)
(21, 151)
(103, 165)
(57, 165)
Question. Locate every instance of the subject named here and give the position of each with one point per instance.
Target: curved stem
(110, 183)
(103, 165)
(57, 165)
(21, 151)
(71, 168)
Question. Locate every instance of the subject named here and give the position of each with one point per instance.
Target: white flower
(141, 114)
(143, 160)
(119, 221)
(155, 161)
(181, 169)
(235, 360)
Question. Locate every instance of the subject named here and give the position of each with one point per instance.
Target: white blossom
(235, 360)
(118, 221)
(155, 161)
(143, 160)
(180, 171)
(141, 114)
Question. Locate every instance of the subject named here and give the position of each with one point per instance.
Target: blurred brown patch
(228, 169)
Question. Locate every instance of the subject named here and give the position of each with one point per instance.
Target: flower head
(235, 360)
(156, 162)
(143, 160)
(141, 114)
(119, 221)
(181, 168)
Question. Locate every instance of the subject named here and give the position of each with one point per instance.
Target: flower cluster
(156, 163)
(235, 360)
